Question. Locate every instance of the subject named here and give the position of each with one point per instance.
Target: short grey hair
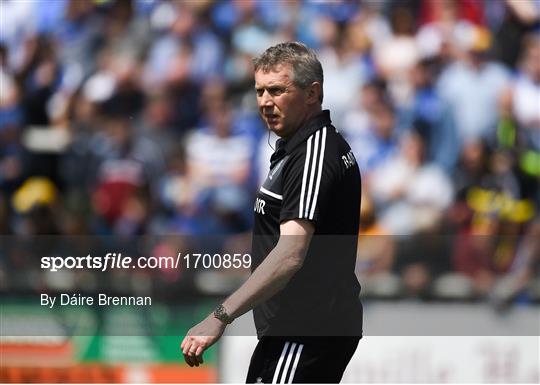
(306, 67)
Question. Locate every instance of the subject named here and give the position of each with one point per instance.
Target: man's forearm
(268, 279)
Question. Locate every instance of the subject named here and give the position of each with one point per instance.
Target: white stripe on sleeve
(304, 178)
(312, 171)
(319, 174)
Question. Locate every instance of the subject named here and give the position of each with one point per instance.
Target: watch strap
(221, 314)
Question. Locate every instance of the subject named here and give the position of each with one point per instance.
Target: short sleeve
(307, 179)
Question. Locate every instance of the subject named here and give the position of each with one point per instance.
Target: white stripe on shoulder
(312, 171)
(304, 178)
(271, 193)
(278, 366)
(283, 376)
(321, 161)
(295, 364)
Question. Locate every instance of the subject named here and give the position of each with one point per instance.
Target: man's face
(282, 105)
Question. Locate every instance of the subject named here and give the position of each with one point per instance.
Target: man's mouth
(271, 119)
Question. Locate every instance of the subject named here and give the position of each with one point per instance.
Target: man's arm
(275, 271)
(267, 280)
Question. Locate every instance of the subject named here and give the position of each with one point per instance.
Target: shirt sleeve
(307, 180)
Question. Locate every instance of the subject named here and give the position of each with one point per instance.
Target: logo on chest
(259, 206)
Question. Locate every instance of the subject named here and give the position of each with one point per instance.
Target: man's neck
(313, 112)
(309, 115)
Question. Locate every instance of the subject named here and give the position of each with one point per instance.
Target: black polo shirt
(313, 176)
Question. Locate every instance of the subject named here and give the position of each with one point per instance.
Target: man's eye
(259, 92)
(276, 91)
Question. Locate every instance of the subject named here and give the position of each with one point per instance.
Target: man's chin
(275, 128)
(279, 130)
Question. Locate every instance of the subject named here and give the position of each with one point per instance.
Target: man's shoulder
(327, 140)
(325, 149)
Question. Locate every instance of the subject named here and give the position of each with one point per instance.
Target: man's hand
(201, 337)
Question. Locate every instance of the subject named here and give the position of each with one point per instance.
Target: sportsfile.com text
(118, 261)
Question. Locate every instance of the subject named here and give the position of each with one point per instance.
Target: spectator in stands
(487, 244)
(218, 166)
(526, 90)
(128, 166)
(517, 19)
(13, 156)
(376, 142)
(188, 39)
(472, 168)
(524, 102)
(356, 122)
(176, 197)
(376, 248)
(440, 23)
(431, 116)
(156, 122)
(410, 193)
(345, 71)
(395, 56)
(472, 87)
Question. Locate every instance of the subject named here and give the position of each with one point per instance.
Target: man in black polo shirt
(302, 290)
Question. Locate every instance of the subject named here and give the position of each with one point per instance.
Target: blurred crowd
(132, 117)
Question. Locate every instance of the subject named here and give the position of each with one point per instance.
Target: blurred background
(123, 118)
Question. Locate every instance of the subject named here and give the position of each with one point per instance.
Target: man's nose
(266, 100)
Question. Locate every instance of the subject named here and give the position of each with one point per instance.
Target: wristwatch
(221, 314)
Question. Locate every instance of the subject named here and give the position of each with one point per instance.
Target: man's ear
(314, 91)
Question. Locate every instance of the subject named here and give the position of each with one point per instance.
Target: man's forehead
(280, 73)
